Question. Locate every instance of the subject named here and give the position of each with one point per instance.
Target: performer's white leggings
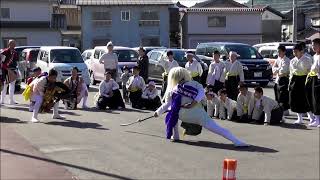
(11, 91)
(83, 95)
(215, 128)
(38, 102)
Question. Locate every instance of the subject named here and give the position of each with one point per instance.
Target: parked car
(270, 53)
(62, 59)
(126, 57)
(156, 70)
(27, 61)
(87, 55)
(256, 69)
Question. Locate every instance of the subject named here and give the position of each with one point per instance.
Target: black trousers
(197, 78)
(112, 102)
(135, 98)
(313, 94)
(281, 92)
(297, 95)
(164, 84)
(216, 87)
(276, 116)
(151, 104)
(232, 87)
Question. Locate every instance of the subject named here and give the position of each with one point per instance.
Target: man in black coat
(143, 63)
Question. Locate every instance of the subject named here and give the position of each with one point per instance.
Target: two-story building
(236, 24)
(125, 22)
(28, 22)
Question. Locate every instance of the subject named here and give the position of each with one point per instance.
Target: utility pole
(294, 21)
(252, 3)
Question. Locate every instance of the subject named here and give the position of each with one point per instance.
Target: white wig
(176, 76)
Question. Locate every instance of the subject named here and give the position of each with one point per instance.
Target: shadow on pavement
(11, 120)
(19, 108)
(109, 175)
(145, 134)
(294, 126)
(214, 145)
(77, 124)
(134, 110)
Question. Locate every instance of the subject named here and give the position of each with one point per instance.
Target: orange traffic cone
(229, 169)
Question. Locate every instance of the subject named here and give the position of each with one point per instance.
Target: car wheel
(264, 84)
(92, 79)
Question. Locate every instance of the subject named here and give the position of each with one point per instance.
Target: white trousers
(11, 91)
(38, 102)
(215, 128)
(83, 95)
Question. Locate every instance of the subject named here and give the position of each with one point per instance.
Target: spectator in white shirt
(150, 98)
(227, 106)
(135, 86)
(109, 94)
(215, 79)
(244, 103)
(167, 65)
(194, 67)
(110, 61)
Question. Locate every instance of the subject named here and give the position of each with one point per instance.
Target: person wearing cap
(281, 69)
(150, 98)
(313, 84)
(9, 71)
(36, 72)
(233, 74)
(143, 63)
(124, 79)
(300, 66)
(227, 106)
(244, 103)
(109, 94)
(194, 67)
(167, 65)
(215, 75)
(135, 86)
(265, 110)
(79, 90)
(110, 61)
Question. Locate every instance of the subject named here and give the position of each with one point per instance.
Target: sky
(193, 2)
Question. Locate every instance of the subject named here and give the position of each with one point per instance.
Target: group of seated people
(141, 96)
(249, 107)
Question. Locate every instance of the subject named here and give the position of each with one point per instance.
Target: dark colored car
(255, 68)
(156, 70)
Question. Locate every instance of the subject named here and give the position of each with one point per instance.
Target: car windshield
(179, 56)
(66, 56)
(245, 52)
(126, 55)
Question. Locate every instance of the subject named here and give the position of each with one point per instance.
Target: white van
(62, 59)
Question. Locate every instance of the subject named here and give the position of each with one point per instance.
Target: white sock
(317, 118)
(4, 92)
(300, 117)
(11, 90)
(311, 117)
(56, 109)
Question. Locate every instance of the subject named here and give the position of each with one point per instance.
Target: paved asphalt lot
(92, 145)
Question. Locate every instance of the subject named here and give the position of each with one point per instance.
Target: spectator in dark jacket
(143, 63)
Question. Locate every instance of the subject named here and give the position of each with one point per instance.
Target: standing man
(110, 61)
(9, 71)
(281, 69)
(167, 65)
(194, 67)
(299, 68)
(214, 79)
(313, 84)
(143, 64)
(233, 75)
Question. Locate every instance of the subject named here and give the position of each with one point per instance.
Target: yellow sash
(194, 74)
(27, 93)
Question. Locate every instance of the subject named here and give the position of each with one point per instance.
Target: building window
(125, 15)
(5, 13)
(20, 41)
(150, 41)
(149, 18)
(101, 19)
(100, 42)
(216, 21)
